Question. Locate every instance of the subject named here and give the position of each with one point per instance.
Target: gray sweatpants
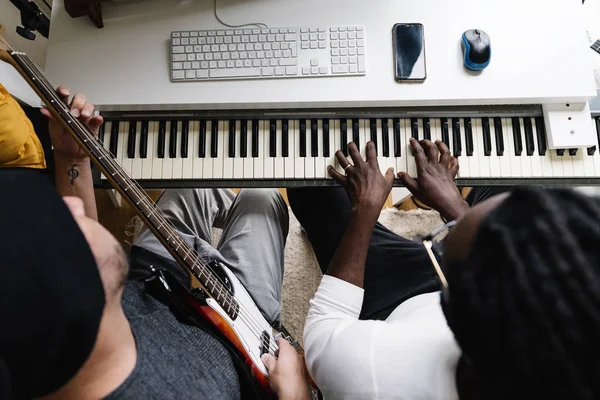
(255, 225)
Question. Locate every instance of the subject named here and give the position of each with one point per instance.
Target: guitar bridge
(265, 342)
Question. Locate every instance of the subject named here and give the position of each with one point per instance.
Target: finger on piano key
(309, 160)
(298, 159)
(464, 161)
(167, 164)
(514, 160)
(501, 133)
(153, 137)
(319, 159)
(411, 166)
(219, 160)
(207, 161)
(122, 148)
(176, 146)
(265, 137)
(136, 162)
(445, 129)
(187, 150)
(472, 149)
(381, 159)
(414, 129)
(337, 145)
(288, 148)
(238, 161)
(343, 140)
(364, 137)
(247, 150)
(197, 161)
(326, 140)
(526, 160)
(495, 169)
(400, 148)
(426, 124)
(278, 166)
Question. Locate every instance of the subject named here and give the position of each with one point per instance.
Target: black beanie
(51, 295)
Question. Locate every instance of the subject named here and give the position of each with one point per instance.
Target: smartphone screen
(409, 49)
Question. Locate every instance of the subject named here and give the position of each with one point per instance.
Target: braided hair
(524, 305)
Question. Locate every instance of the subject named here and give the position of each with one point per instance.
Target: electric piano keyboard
(272, 149)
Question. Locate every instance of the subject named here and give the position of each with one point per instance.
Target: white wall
(10, 17)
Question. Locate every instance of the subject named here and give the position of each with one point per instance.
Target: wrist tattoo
(73, 173)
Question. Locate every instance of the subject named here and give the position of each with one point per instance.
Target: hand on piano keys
(237, 152)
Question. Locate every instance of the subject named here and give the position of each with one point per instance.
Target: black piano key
(385, 137)
(244, 139)
(541, 136)
(314, 138)
(162, 138)
(285, 140)
(529, 145)
(560, 152)
(114, 138)
(397, 140)
(326, 138)
(101, 133)
(173, 140)
(273, 138)
(202, 140)
(469, 137)
(344, 136)
(592, 150)
(144, 140)
(487, 138)
(456, 140)
(214, 139)
(231, 149)
(302, 138)
(185, 132)
(426, 129)
(445, 133)
(373, 129)
(254, 138)
(131, 139)
(572, 152)
(518, 141)
(498, 134)
(414, 128)
(356, 132)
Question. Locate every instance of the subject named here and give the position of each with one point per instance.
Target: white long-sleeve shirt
(411, 355)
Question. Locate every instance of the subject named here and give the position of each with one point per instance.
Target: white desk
(538, 46)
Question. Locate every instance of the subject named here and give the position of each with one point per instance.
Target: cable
(259, 24)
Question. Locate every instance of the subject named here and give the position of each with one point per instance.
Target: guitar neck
(151, 214)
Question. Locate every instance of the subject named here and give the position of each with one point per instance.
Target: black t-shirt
(174, 360)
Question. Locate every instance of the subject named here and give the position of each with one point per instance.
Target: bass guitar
(220, 299)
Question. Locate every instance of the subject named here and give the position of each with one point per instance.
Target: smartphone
(409, 52)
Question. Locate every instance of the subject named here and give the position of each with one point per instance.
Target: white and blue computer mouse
(477, 50)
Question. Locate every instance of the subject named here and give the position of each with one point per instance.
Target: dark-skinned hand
(367, 188)
(436, 186)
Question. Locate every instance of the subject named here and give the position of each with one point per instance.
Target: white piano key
(567, 160)
(596, 160)
(150, 155)
(589, 169)
(157, 163)
(259, 166)
(526, 161)
(474, 159)
(478, 151)
(122, 148)
(509, 149)
(329, 139)
(505, 159)
(557, 164)
(546, 160)
(248, 161)
(365, 136)
(278, 167)
(218, 163)
(178, 160)
(578, 163)
(269, 162)
(136, 162)
(421, 129)
(187, 163)
(207, 161)
(197, 162)
(238, 162)
(289, 161)
(334, 129)
(464, 162)
(227, 161)
(298, 161)
(495, 170)
(319, 159)
(309, 160)
(411, 166)
(381, 160)
(167, 165)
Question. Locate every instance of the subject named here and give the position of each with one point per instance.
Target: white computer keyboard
(268, 53)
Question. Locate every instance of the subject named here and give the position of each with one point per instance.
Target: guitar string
(248, 319)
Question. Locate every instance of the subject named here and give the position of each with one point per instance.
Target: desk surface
(539, 54)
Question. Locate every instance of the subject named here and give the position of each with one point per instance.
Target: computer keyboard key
(339, 69)
(178, 75)
(229, 73)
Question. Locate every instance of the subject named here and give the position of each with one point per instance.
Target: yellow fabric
(19, 145)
